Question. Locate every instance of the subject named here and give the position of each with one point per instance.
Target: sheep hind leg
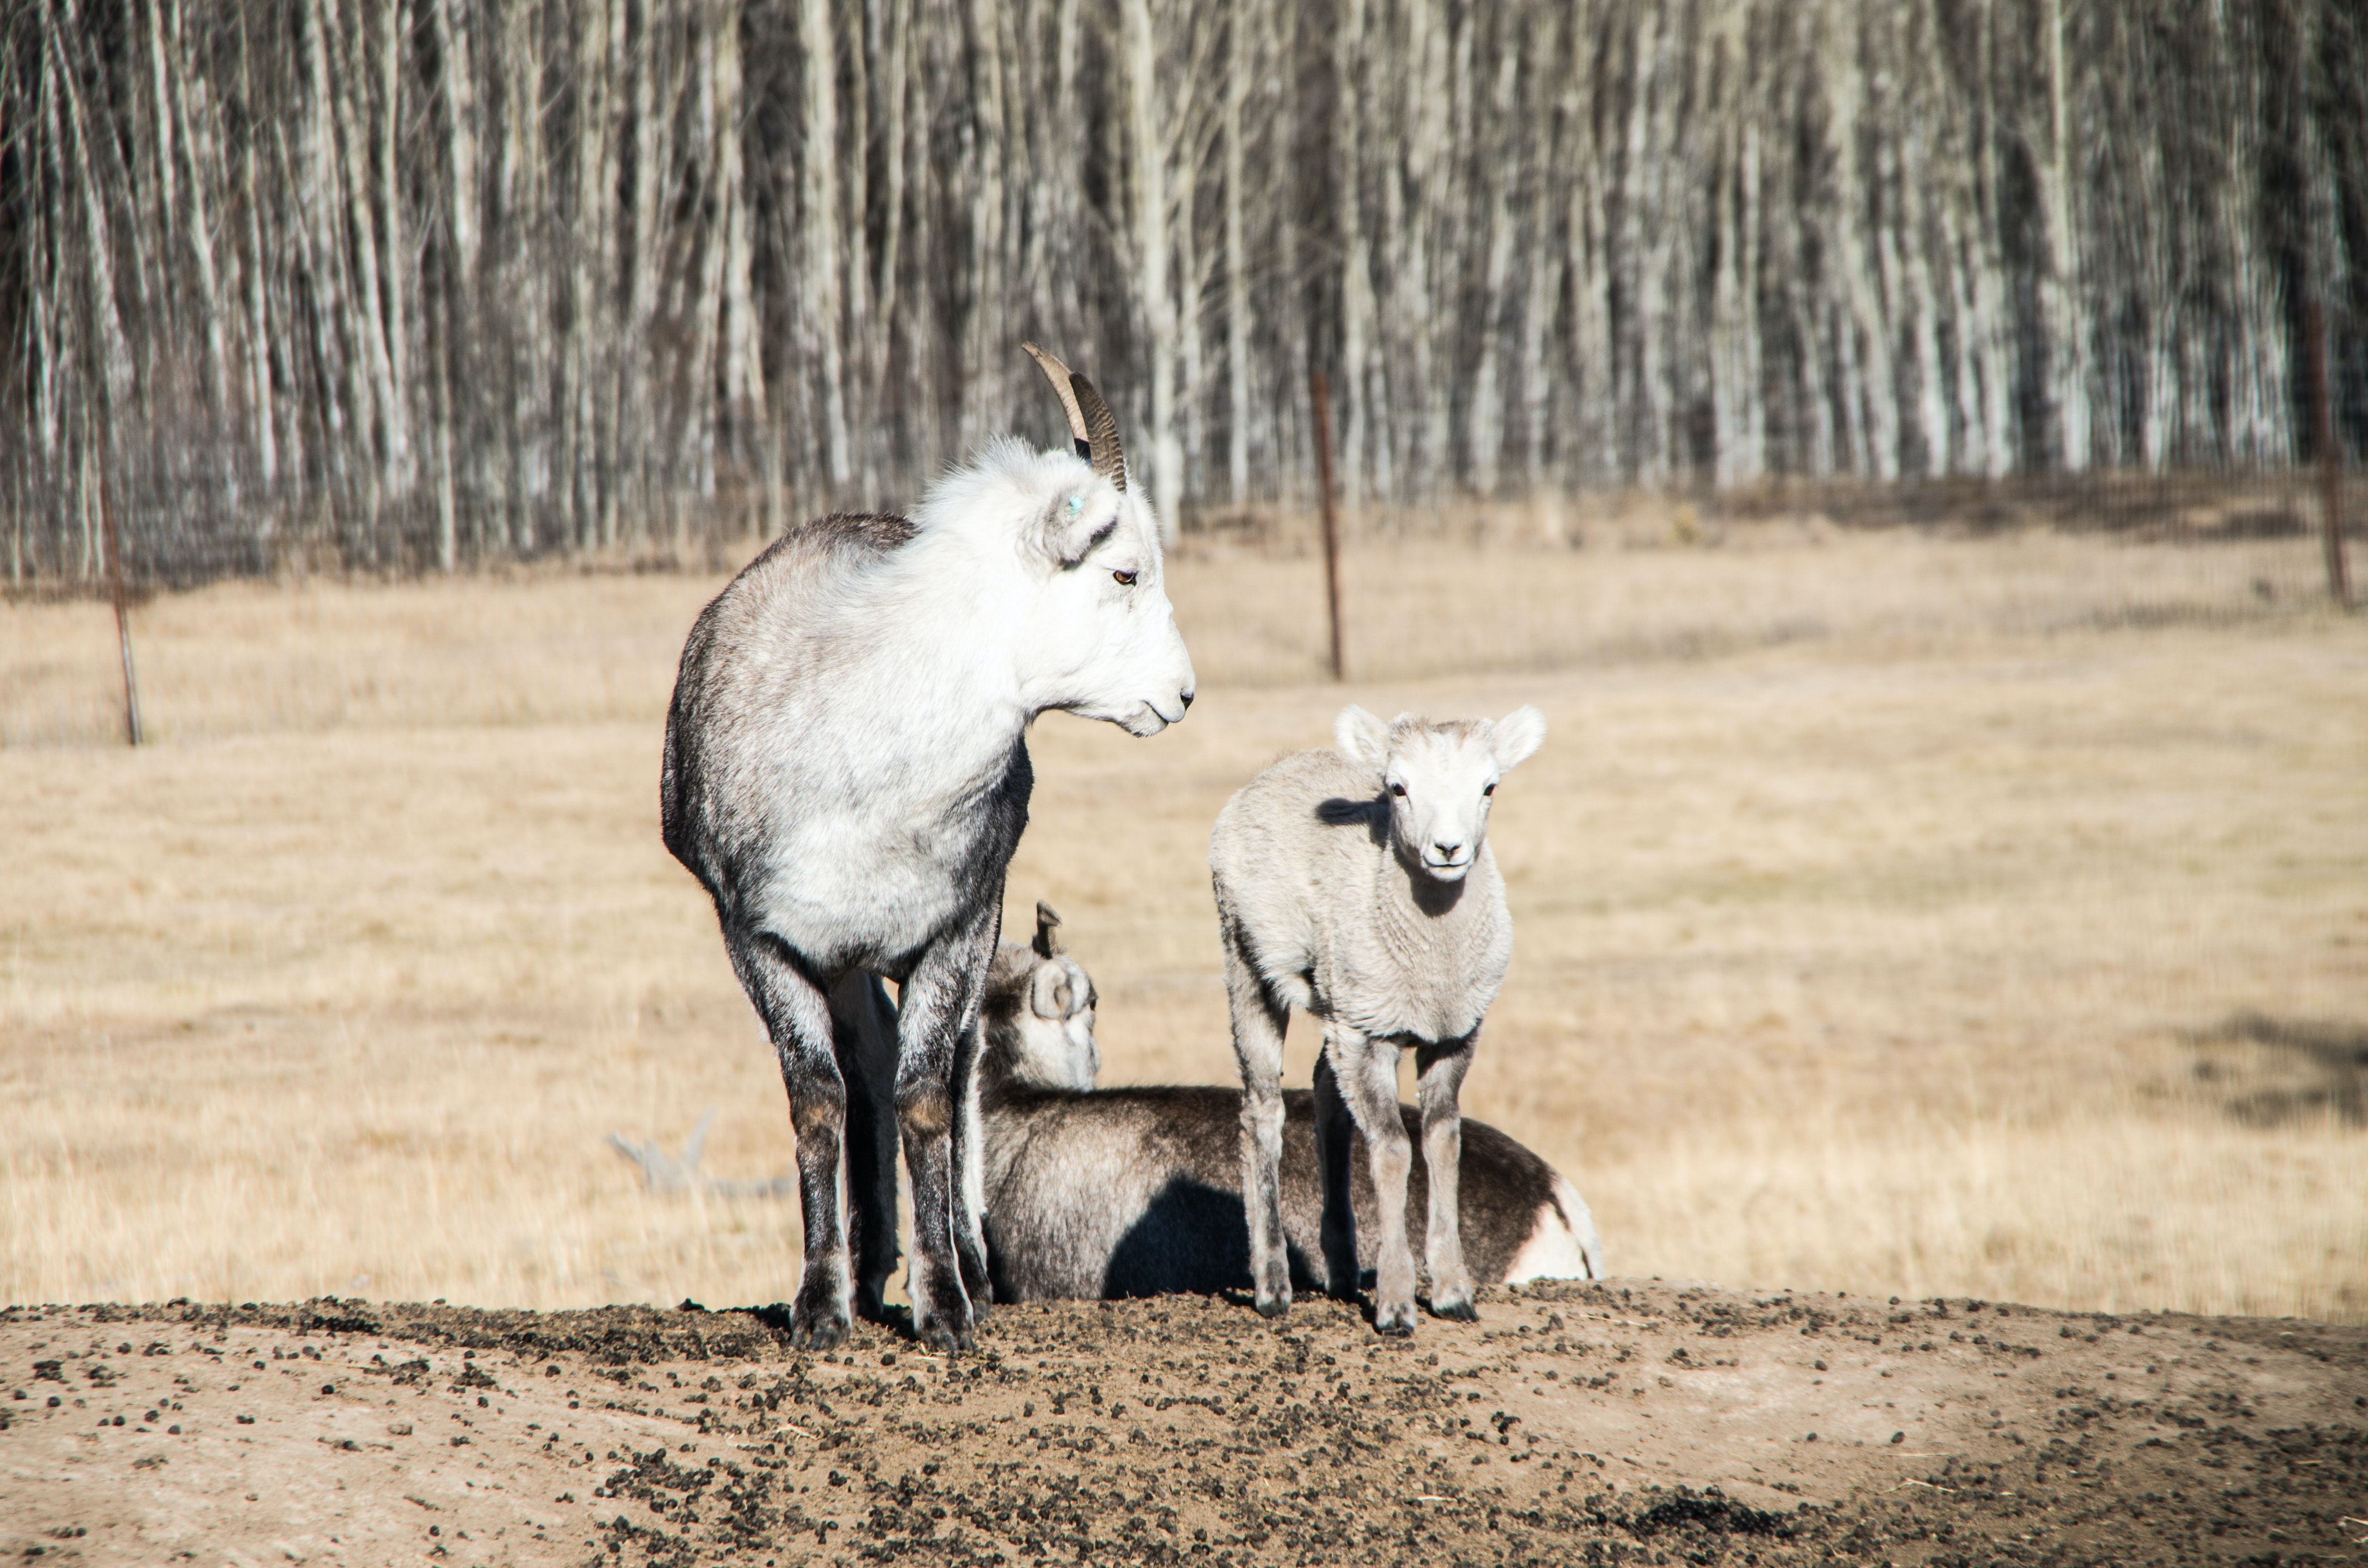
(1439, 1071)
(937, 1013)
(1334, 1126)
(1368, 1073)
(797, 1017)
(864, 1022)
(1259, 1019)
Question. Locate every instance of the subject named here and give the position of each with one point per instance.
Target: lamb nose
(1188, 699)
(1446, 851)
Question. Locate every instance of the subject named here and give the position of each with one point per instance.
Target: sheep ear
(1513, 738)
(1069, 535)
(1048, 992)
(1048, 922)
(1362, 737)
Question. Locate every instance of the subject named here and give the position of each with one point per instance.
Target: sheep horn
(1047, 945)
(1091, 425)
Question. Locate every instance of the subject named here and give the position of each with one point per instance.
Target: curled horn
(1091, 425)
(1046, 944)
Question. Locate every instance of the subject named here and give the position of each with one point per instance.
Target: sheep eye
(1399, 790)
(1489, 790)
(1125, 579)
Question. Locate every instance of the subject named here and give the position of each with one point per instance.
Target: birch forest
(410, 284)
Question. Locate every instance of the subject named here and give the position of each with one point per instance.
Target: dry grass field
(1896, 911)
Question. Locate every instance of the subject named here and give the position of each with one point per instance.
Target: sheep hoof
(976, 1282)
(1460, 1310)
(1397, 1325)
(939, 1337)
(1273, 1306)
(818, 1330)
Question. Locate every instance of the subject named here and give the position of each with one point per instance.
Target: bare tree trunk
(1238, 282)
(1147, 155)
(2067, 345)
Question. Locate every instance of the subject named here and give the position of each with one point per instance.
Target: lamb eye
(1489, 790)
(1125, 579)
(1399, 790)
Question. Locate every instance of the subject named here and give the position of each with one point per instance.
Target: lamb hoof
(1397, 1325)
(1460, 1310)
(1273, 1306)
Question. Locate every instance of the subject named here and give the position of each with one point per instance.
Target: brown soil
(1620, 1422)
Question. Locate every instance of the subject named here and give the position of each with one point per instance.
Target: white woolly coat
(1335, 923)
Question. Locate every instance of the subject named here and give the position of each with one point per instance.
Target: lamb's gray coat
(1358, 884)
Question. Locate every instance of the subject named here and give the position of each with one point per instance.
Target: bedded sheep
(1137, 1191)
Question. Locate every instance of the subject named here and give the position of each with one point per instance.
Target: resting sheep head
(1039, 1014)
(1437, 778)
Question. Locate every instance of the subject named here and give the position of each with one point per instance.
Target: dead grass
(1897, 914)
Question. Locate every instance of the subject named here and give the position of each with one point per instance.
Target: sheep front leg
(1368, 1073)
(1259, 1022)
(1441, 1070)
(1335, 1125)
(936, 1016)
(797, 1017)
(970, 1170)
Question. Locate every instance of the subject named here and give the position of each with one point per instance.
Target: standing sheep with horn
(847, 775)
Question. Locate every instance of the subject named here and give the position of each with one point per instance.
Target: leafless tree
(409, 283)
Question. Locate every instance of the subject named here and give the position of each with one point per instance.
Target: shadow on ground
(2297, 1069)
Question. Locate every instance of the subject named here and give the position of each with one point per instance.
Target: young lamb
(1358, 884)
(846, 774)
(1137, 1192)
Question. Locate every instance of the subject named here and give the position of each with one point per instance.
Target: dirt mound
(1606, 1424)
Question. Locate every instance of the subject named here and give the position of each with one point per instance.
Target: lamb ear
(1362, 737)
(1515, 736)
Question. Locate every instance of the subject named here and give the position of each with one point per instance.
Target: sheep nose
(1446, 851)
(1188, 699)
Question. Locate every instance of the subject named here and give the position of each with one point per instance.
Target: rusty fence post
(114, 545)
(2330, 454)
(1319, 387)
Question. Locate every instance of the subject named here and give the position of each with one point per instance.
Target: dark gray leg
(1368, 1073)
(1441, 1070)
(935, 1019)
(1259, 1023)
(969, 1136)
(864, 1022)
(797, 1016)
(1335, 1129)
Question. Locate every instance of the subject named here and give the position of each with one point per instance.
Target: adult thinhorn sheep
(1137, 1191)
(846, 774)
(1358, 884)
